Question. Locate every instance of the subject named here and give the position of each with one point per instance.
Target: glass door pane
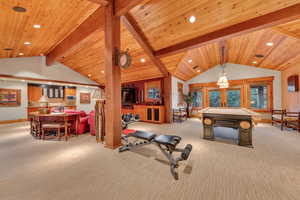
(259, 96)
(233, 98)
(197, 98)
(214, 98)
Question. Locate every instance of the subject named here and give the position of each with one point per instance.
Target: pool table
(236, 118)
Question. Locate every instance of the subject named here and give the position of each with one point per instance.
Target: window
(234, 98)
(215, 98)
(197, 98)
(259, 96)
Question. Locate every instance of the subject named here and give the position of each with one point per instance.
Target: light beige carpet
(84, 170)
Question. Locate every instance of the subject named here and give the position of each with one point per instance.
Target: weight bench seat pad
(172, 140)
(143, 135)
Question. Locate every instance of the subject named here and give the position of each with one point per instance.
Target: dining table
(68, 119)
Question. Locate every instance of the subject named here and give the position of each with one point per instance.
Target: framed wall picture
(10, 97)
(153, 91)
(293, 83)
(85, 98)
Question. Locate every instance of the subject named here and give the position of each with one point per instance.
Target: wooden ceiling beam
(123, 6)
(265, 21)
(101, 2)
(93, 23)
(139, 36)
(223, 52)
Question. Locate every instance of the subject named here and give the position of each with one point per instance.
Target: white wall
(35, 67)
(175, 90)
(14, 113)
(235, 72)
(86, 107)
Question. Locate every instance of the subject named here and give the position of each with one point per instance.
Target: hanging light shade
(223, 80)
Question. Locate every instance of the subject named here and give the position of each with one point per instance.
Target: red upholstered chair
(92, 123)
(83, 125)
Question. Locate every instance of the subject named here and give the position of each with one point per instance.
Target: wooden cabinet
(155, 114)
(34, 93)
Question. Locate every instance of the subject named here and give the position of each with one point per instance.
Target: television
(128, 96)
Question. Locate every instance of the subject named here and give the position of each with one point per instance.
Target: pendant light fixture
(223, 80)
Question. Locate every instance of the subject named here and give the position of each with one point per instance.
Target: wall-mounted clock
(123, 59)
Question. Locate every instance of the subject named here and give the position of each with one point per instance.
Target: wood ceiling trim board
(288, 63)
(123, 6)
(287, 33)
(268, 20)
(93, 23)
(46, 80)
(101, 2)
(138, 35)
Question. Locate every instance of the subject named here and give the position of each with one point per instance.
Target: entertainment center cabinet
(144, 98)
(155, 114)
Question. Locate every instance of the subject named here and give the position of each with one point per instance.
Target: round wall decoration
(123, 59)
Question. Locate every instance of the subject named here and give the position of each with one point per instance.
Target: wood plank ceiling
(57, 20)
(163, 23)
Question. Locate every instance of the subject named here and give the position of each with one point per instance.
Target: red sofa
(83, 125)
(92, 122)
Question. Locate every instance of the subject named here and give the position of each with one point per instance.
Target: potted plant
(188, 98)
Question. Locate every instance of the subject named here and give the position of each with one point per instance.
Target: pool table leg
(245, 137)
(208, 129)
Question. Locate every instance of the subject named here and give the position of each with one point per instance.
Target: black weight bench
(166, 143)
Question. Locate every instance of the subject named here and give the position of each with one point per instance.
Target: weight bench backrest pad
(171, 140)
(143, 135)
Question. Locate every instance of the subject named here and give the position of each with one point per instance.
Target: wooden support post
(168, 98)
(112, 79)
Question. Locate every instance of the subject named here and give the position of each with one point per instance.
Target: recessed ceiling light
(27, 43)
(190, 61)
(102, 71)
(269, 44)
(21, 54)
(19, 9)
(36, 26)
(89, 75)
(254, 62)
(192, 19)
(143, 60)
(198, 71)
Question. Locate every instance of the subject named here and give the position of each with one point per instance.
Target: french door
(229, 97)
